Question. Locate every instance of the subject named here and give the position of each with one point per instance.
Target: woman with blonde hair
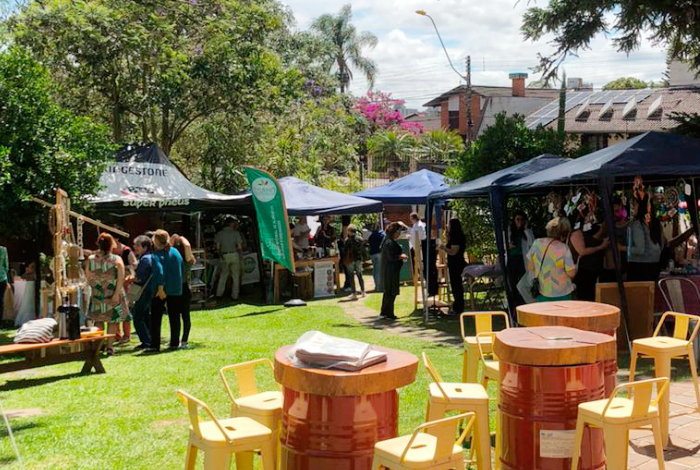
(105, 276)
(550, 262)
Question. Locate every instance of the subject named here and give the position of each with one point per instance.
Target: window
(594, 141)
(454, 120)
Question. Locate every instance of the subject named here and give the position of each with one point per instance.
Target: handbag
(535, 287)
(136, 291)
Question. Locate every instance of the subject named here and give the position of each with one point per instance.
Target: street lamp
(467, 78)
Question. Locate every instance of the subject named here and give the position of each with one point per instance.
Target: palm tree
(347, 45)
(390, 150)
(441, 146)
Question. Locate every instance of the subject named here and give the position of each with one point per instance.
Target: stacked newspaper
(318, 349)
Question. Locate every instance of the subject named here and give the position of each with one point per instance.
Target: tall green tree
(348, 46)
(440, 146)
(42, 146)
(626, 83)
(391, 149)
(574, 23)
(152, 68)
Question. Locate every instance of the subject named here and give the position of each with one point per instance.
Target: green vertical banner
(275, 238)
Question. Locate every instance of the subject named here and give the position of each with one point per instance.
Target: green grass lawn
(130, 417)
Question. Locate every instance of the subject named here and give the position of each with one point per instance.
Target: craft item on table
(36, 331)
(318, 349)
(553, 202)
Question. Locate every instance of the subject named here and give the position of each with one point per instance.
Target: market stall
(491, 187)
(661, 165)
(144, 190)
(318, 266)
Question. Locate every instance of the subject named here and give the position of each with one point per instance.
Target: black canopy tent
(142, 179)
(492, 186)
(656, 156)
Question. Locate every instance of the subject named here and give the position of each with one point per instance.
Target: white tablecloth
(24, 301)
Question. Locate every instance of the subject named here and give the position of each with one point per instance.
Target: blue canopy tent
(491, 186)
(411, 189)
(303, 198)
(657, 156)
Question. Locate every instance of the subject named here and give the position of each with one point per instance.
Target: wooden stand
(332, 419)
(301, 263)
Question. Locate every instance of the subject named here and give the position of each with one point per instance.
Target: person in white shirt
(417, 229)
(300, 234)
(230, 243)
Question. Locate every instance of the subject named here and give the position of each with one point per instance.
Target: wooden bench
(35, 354)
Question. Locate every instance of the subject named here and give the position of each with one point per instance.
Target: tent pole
(497, 201)
(429, 232)
(605, 186)
(693, 208)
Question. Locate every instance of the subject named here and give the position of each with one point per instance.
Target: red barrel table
(589, 316)
(545, 373)
(332, 419)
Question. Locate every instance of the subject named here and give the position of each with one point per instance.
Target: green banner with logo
(275, 239)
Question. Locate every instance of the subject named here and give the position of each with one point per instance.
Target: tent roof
(480, 186)
(142, 177)
(411, 189)
(303, 198)
(651, 153)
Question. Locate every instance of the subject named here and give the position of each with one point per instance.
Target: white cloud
(412, 65)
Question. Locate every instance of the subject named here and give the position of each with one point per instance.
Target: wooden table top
(12, 348)
(589, 316)
(397, 371)
(553, 346)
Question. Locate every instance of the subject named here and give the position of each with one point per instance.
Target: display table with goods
(545, 373)
(332, 418)
(325, 283)
(588, 316)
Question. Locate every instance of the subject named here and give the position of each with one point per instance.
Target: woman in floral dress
(105, 275)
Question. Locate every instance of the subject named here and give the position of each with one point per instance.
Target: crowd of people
(141, 284)
(571, 260)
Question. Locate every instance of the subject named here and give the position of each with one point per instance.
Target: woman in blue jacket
(171, 296)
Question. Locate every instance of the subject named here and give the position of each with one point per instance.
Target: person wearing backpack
(551, 264)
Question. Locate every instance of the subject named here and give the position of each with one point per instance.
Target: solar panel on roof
(630, 106)
(549, 112)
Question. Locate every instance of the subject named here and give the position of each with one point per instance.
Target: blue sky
(413, 67)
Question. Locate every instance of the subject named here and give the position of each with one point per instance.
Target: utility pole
(468, 100)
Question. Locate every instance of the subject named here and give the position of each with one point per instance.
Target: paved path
(683, 451)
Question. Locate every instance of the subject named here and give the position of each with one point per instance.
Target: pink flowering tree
(379, 109)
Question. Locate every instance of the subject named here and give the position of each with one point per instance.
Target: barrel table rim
(590, 316)
(397, 371)
(553, 346)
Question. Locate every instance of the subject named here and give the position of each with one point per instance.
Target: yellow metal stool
(218, 439)
(483, 323)
(265, 407)
(490, 371)
(445, 397)
(617, 415)
(434, 449)
(665, 348)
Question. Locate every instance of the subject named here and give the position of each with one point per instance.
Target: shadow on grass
(17, 428)
(20, 384)
(260, 312)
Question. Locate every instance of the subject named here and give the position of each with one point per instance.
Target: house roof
(490, 91)
(510, 105)
(614, 119)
